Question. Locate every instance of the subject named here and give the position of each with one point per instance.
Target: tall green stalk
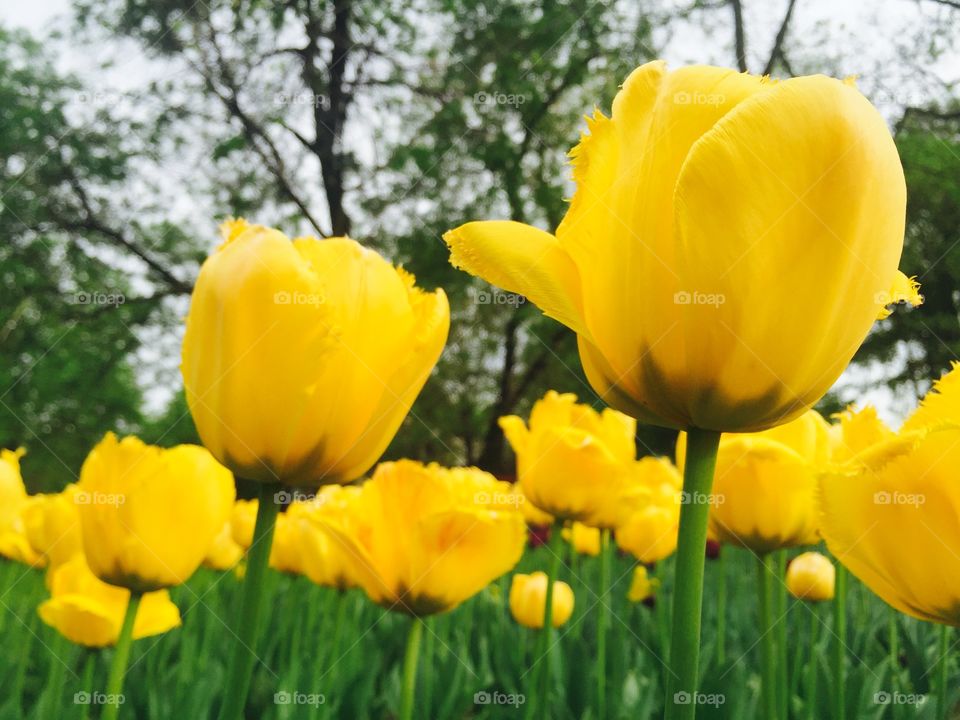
(540, 684)
(684, 657)
(254, 594)
(839, 644)
(768, 645)
(121, 656)
(722, 607)
(943, 688)
(812, 663)
(603, 621)
(783, 689)
(410, 661)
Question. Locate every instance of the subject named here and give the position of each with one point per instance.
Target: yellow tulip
(14, 501)
(421, 539)
(893, 517)
(224, 553)
(90, 612)
(531, 513)
(572, 461)
(642, 586)
(856, 431)
(52, 526)
(585, 539)
(811, 576)
(712, 210)
(324, 557)
(301, 358)
(650, 532)
(149, 515)
(528, 598)
(765, 487)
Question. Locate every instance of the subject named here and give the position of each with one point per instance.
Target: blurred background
(130, 128)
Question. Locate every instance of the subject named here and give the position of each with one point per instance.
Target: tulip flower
(712, 210)
(572, 461)
(642, 586)
(421, 539)
(811, 577)
(52, 526)
(148, 517)
(764, 493)
(324, 557)
(135, 503)
(584, 539)
(224, 553)
(90, 612)
(13, 502)
(856, 431)
(300, 360)
(650, 532)
(528, 595)
(534, 516)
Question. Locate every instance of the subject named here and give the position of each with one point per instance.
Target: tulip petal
(522, 259)
(903, 290)
(797, 194)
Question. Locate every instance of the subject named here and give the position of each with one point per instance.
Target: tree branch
(740, 41)
(777, 48)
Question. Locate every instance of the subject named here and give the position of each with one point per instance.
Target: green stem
(540, 683)
(603, 618)
(688, 584)
(782, 666)
(839, 643)
(722, 607)
(410, 661)
(245, 633)
(943, 708)
(768, 657)
(121, 656)
(812, 663)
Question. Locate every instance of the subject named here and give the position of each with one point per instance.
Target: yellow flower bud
(642, 586)
(528, 598)
(301, 358)
(585, 539)
(90, 612)
(811, 576)
(149, 515)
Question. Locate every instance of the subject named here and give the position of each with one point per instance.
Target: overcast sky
(882, 42)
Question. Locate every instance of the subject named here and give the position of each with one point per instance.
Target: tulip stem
(121, 656)
(782, 611)
(603, 618)
(254, 591)
(688, 583)
(721, 607)
(943, 705)
(839, 643)
(813, 663)
(541, 681)
(410, 661)
(768, 646)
